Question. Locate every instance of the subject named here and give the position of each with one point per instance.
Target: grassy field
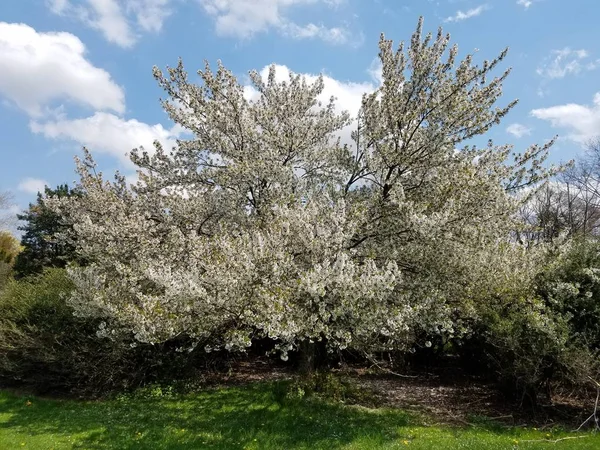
(248, 417)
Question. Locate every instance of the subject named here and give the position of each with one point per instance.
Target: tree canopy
(264, 224)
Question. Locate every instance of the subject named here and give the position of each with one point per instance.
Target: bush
(526, 348)
(571, 288)
(5, 273)
(502, 327)
(9, 249)
(325, 385)
(44, 346)
(539, 323)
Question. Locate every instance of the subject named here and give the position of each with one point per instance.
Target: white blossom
(263, 224)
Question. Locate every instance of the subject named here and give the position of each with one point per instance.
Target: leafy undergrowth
(256, 416)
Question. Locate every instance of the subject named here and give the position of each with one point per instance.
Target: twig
(388, 370)
(508, 416)
(554, 441)
(595, 413)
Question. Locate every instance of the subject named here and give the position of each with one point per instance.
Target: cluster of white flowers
(263, 224)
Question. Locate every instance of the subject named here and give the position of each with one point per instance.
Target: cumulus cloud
(245, 18)
(518, 130)
(460, 15)
(32, 185)
(8, 218)
(375, 71)
(525, 3)
(565, 62)
(58, 6)
(335, 35)
(38, 68)
(108, 133)
(581, 121)
(150, 15)
(118, 20)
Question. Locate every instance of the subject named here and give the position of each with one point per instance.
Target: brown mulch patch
(445, 397)
(461, 399)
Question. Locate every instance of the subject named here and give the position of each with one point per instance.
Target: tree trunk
(307, 356)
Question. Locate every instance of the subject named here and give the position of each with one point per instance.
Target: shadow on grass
(232, 418)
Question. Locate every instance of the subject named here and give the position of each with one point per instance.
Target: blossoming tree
(263, 224)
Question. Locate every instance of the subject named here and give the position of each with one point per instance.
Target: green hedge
(44, 346)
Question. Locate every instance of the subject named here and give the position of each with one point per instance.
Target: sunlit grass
(248, 417)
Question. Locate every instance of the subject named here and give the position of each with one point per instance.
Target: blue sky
(79, 72)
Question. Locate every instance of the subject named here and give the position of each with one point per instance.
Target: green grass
(249, 417)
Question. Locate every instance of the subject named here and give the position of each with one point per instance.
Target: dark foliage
(44, 346)
(41, 246)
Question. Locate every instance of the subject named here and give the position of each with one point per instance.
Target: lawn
(247, 417)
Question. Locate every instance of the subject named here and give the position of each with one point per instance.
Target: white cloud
(107, 17)
(245, 18)
(518, 130)
(38, 68)
(582, 121)
(565, 62)
(375, 70)
(460, 15)
(32, 185)
(116, 19)
(525, 3)
(150, 14)
(8, 218)
(107, 133)
(541, 91)
(58, 6)
(336, 35)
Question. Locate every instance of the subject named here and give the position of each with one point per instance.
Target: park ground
(252, 411)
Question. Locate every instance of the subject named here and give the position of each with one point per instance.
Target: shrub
(9, 249)
(510, 334)
(324, 385)
(44, 346)
(571, 288)
(526, 347)
(539, 322)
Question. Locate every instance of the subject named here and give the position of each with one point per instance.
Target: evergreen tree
(41, 244)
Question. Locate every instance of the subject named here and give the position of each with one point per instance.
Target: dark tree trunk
(307, 355)
(311, 356)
